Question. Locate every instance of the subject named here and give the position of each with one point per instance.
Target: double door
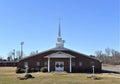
(59, 66)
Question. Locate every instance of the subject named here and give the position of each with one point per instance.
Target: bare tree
(33, 52)
(18, 55)
(110, 56)
(99, 55)
(108, 51)
(115, 56)
(10, 54)
(0, 58)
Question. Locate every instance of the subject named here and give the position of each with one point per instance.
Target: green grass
(8, 76)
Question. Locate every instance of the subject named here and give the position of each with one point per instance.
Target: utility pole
(22, 43)
(13, 54)
(14, 60)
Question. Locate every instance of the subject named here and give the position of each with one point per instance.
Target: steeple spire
(59, 30)
(60, 42)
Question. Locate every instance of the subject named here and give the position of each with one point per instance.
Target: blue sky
(86, 25)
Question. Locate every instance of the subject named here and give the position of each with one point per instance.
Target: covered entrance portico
(59, 65)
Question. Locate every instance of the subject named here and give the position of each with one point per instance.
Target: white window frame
(38, 63)
(25, 64)
(80, 64)
(92, 63)
(73, 64)
(45, 64)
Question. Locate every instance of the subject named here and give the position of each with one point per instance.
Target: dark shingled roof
(66, 50)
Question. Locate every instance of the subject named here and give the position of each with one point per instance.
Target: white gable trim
(59, 55)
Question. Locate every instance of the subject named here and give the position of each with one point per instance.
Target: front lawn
(8, 76)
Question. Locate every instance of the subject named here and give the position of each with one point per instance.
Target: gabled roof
(52, 49)
(57, 50)
(59, 55)
(79, 53)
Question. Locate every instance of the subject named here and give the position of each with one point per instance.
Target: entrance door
(59, 66)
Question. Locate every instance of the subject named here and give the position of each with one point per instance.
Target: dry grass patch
(8, 76)
(109, 75)
(7, 70)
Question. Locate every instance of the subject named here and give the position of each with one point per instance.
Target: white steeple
(60, 42)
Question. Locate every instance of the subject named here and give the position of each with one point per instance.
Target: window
(73, 64)
(80, 64)
(92, 63)
(25, 64)
(45, 64)
(38, 63)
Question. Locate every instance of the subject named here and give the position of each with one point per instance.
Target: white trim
(59, 55)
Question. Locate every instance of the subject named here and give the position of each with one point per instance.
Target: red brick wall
(78, 58)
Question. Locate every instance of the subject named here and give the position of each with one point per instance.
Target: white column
(48, 64)
(70, 69)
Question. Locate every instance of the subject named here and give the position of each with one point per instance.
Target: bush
(37, 69)
(32, 70)
(44, 69)
(20, 70)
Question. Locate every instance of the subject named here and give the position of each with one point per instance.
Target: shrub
(32, 70)
(37, 69)
(44, 69)
(20, 70)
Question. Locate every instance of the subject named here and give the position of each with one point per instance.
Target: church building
(61, 58)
